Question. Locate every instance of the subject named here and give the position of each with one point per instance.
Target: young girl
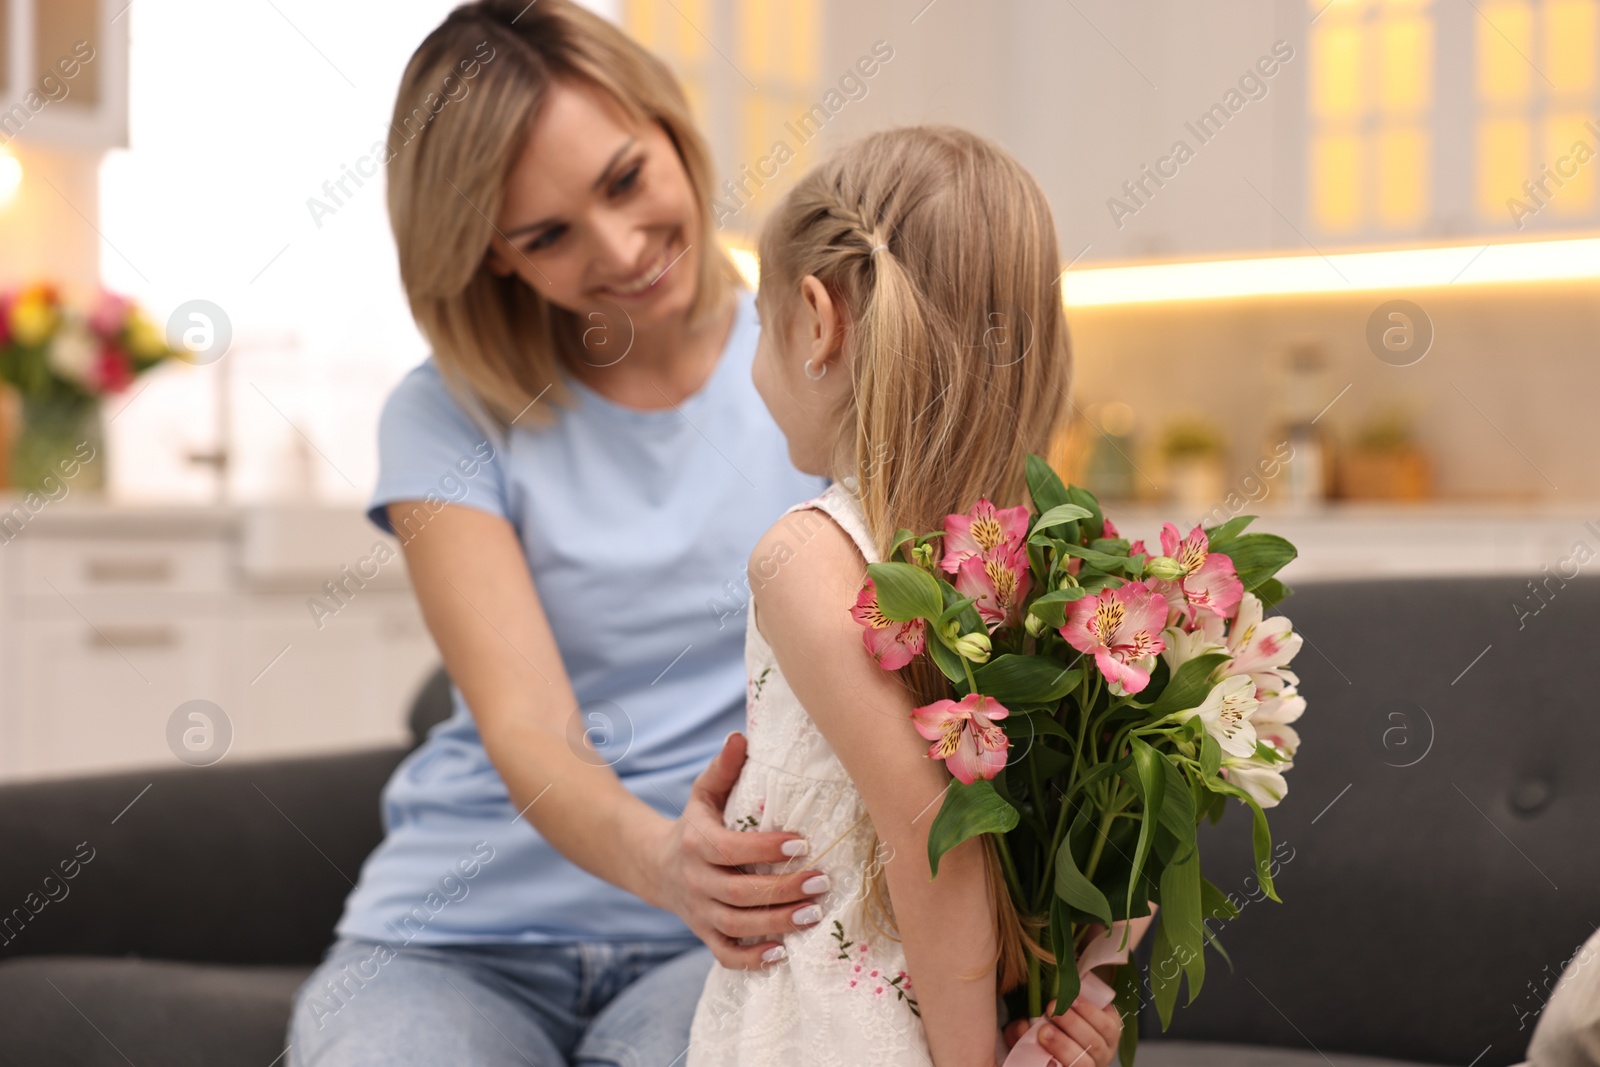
(913, 348)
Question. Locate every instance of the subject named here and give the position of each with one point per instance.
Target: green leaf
(1188, 688)
(1125, 983)
(1103, 560)
(1214, 903)
(1060, 515)
(1067, 983)
(1044, 485)
(955, 609)
(1256, 556)
(948, 663)
(1260, 833)
(1071, 885)
(967, 811)
(1165, 974)
(1032, 724)
(1272, 593)
(1177, 808)
(1210, 758)
(905, 592)
(901, 536)
(1031, 679)
(1152, 783)
(1228, 530)
(1094, 526)
(1180, 912)
(1051, 607)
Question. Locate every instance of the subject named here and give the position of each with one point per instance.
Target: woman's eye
(627, 182)
(545, 239)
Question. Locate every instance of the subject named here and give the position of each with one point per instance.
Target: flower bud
(1067, 582)
(1163, 567)
(973, 646)
(922, 556)
(1034, 625)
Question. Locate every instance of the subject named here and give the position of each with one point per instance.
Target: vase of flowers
(62, 362)
(1105, 699)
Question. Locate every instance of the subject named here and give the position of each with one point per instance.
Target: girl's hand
(697, 875)
(1082, 1036)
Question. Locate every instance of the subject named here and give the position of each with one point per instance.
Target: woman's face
(598, 212)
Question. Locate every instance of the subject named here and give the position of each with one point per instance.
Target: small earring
(814, 377)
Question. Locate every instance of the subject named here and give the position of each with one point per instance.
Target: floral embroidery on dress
(753, 695)
(750, 822)
(874, 981)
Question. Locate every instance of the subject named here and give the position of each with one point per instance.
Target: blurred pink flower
(1209, 580)
(982, 529)
(1000, 578)
(965, 736)
(893, 644)
(1122, 628)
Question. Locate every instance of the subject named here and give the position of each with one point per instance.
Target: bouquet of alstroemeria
(1106, 700)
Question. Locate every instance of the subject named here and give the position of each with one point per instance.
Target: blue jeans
(590, 1003)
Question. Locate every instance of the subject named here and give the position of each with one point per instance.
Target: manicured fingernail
(774, 954)
(817, 883)
(806, 915)
(797, 846)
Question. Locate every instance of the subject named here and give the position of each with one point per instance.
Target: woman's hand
(700, 882)
(1083, 1035)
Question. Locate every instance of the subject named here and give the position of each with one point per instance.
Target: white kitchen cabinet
(64, 72)
(111, 618)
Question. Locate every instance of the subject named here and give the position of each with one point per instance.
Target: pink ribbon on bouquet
(1101, 950)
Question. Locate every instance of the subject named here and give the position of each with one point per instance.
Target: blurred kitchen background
(1335, 262)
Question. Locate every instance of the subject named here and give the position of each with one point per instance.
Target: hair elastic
(877, 248)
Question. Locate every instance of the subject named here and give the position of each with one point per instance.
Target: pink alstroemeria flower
(1209, 580)
(981, 530)
(1122, 628)
(1000, 579)
(892, 643)
(965, 736)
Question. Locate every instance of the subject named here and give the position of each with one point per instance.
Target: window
(1534, 71)
(1370, 101)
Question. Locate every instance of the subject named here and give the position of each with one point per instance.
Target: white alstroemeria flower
(1184, 645)
(1262, 648)
(1272, 720)
(1225, 713)
(1261, 779)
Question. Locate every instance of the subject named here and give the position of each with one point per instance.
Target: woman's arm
(479, 602)
(947, 924)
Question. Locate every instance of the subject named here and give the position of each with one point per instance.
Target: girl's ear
(824, 324)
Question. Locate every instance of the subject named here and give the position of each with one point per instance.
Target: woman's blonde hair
(941, 251)
(494, 339)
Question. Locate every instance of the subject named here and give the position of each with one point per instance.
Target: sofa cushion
(92, 1012)
(1207, 1054)
(1443, 787)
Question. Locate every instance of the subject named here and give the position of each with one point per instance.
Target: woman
(555, 852)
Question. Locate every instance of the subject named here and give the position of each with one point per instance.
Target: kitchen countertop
(1336, 541)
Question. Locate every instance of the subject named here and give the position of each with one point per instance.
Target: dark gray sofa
(1437, 856)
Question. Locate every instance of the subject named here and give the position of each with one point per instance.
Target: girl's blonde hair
(494, 339)
(941, 251)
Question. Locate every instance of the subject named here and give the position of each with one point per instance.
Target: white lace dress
(842, 996)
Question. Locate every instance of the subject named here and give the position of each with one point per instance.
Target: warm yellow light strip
(1342, 272)
(1396, 270)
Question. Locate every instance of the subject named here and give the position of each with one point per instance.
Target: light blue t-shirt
(636, 526)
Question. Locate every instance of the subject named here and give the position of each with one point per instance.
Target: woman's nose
(619, 245)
